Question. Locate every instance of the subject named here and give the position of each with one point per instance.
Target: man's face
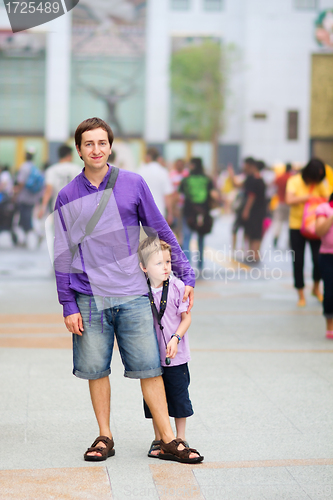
(179, 165)
(158, 267)
(95, 149)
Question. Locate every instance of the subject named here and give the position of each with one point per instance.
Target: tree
(198, 76)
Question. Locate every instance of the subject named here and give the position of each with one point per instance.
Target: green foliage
(197, 82)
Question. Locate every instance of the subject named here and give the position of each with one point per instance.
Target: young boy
(155, 261)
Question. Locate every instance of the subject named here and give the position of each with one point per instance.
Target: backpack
(35, 180)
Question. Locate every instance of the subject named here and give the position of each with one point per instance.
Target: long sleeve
(153, 222)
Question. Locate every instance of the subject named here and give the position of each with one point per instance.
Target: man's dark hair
(29, 156)
(153, 153)
(64, 151)
(288, 167)
(197, 166)
(249, 160)
(92, 124)
(260, 165)
(314, 172)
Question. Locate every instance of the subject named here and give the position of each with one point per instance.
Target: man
(57, 176)
(104, 292)
(281, 213)
(254, 211)
(176, 175)
(158, 181)
(26, 197)
(240, 182)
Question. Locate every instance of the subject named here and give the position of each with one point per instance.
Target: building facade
(279, 98)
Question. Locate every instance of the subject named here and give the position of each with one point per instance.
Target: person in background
(198, 190)
(254, 211)
(57, 176)
(25, 198)
(158, 181)
(302, 187)
(281, 213)
(268, 176)
(177, 174)
(6, 182)
(227, 189)
(324, 229)
(240, 182)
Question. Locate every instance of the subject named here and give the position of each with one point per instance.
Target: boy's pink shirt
(171, 321)
(325, 210)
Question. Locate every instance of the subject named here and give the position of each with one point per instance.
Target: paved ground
(261, 387)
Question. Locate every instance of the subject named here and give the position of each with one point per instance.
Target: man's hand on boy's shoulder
(189, 294)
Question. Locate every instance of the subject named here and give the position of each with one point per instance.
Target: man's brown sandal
(106, 452)
(170, 451)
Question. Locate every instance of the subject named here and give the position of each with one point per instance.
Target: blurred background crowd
(225, 108)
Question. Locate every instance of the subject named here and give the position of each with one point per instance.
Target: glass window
(305, 4)
(213, 5)
(180, 4)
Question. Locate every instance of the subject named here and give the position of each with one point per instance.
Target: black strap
(164, 298)
(103, 202)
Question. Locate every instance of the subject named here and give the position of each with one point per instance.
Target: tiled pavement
(261, 387)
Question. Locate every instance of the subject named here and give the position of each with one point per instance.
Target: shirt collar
(102, 185)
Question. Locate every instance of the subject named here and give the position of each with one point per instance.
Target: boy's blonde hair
(149, 246)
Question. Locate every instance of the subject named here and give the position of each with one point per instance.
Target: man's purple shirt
(105, 264)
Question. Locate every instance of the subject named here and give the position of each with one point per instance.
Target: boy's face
(158, 267)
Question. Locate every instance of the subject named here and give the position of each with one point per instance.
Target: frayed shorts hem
(91, 376)
(154, 372)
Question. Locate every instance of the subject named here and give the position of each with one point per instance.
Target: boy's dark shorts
(176, 382)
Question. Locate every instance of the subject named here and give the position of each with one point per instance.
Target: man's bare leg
(100, 393)
(154, 395)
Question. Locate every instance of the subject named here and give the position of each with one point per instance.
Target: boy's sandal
(106, 452)
(170, 451)
(155, 446)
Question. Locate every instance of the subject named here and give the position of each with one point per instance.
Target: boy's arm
(172, 347)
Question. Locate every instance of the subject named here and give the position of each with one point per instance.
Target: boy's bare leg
(100, 393)
(180, 427)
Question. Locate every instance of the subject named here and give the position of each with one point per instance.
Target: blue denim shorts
(131, 322)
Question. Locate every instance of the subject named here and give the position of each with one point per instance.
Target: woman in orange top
(309, 183)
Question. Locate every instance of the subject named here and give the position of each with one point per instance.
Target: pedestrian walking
(198, 190)
(177, 174)
(171, 322)
(281, 213)
(305, 187)
(101, 287)
(158, 181)
(254, 211)
(28, 192)
(240, 182)
(324, 229)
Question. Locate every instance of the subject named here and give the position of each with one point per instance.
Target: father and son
(105, 292)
